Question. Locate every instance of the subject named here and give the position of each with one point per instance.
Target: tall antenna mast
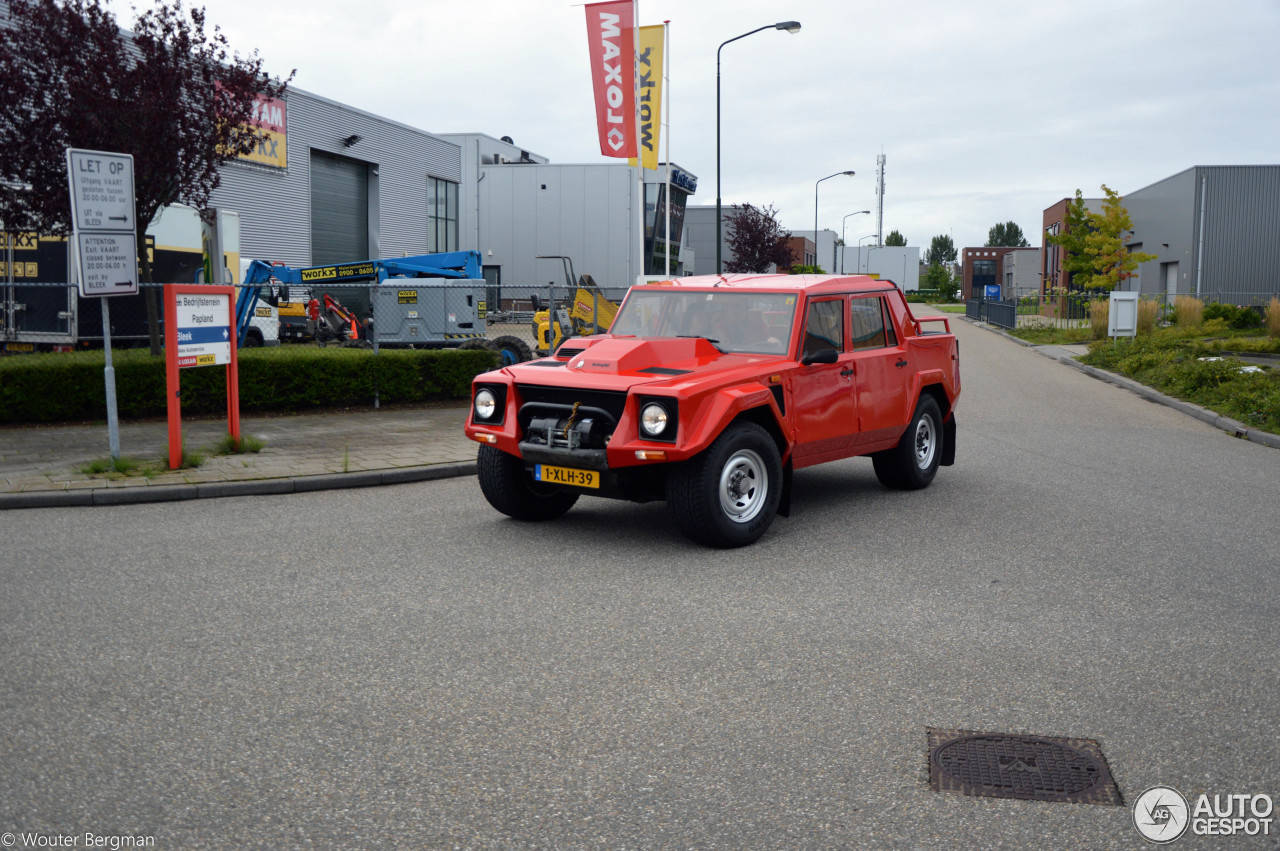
(880, 199)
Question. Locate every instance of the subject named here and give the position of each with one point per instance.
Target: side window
(866, 322)
(824, 328)
(890, 337)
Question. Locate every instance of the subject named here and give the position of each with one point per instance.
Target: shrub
(1188, 311)
(62, 387)
(1099, 316)
(1240, 318)
(1273, 317)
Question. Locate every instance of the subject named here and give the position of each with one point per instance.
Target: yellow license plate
(20, 347)
(566, 476)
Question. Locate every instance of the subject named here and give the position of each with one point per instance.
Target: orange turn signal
(485, 438)
(651, 455)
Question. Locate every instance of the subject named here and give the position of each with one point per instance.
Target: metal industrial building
(346, 185)
(1213, 230)
(518, 206)
(358, 186)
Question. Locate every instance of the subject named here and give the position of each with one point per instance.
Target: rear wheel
(513, 491)
(476, 343)
(912, 464)
(729, 494)
(512, 350)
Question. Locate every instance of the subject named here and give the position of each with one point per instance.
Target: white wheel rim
(744, 486)
(926, 442)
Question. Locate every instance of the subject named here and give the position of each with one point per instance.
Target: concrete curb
(1232, 427)
(252, 487)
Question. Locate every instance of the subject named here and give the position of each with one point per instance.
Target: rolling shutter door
(339, 209)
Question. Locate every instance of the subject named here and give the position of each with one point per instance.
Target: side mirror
(820, 356)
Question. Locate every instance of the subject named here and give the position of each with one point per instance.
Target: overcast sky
(987, 110)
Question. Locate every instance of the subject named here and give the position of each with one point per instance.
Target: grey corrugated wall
(1241, 232)
(275, 205)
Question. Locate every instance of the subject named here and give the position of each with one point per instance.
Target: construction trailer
(428, 300)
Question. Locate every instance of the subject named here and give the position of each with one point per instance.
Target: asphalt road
(403, 668)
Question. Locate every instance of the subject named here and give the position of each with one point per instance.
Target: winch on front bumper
(568, 427)
(572, 429)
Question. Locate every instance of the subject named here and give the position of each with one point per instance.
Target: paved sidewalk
(41, 465)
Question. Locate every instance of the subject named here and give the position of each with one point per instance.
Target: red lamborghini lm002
(707, 392)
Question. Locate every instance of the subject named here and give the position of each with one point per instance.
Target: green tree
(895, 238)
(941, 250)
(936, 277)
(1006, 234)
(806, 270)
(1095, 254)
(1076, 264)
(175, 99)
(756, 240)
(1113, 263)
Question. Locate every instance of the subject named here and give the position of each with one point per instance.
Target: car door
(822, 394)
(882, 368)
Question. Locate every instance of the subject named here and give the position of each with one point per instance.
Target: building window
(984, 272)
(442, 215)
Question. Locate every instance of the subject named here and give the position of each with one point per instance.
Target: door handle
(900, 364)
(847, 371)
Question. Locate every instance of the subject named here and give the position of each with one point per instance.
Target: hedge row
(63, 387)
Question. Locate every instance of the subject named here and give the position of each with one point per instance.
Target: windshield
(759, 323)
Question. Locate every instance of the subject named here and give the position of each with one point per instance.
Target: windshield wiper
(712, 340)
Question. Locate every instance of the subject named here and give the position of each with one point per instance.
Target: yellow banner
(649, 65)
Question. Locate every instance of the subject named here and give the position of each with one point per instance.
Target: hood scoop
(618, 355)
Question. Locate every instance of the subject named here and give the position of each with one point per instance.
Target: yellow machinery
(590, 313)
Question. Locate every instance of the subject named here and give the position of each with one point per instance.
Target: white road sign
(108, 263)
(101, 190)
(204, 329)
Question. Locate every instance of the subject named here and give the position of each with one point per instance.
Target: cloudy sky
(987, 110)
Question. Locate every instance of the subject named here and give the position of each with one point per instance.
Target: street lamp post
(789, 26)
(815, 208)
(860, 239)
(844, 230)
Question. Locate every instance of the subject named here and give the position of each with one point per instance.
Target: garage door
(339, 209)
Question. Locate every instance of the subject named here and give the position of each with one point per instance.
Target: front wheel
(512, 350)
(728, 495)
(912, 464)
(512, 490)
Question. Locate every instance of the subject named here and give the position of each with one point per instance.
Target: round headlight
(486, 404)
(653, 419)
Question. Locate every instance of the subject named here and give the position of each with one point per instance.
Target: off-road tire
(512, 350)
(477, 343)
(512, 490)
(728, 495)
(252, 340)
(912, 464)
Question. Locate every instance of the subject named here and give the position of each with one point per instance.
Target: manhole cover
(1031, 768)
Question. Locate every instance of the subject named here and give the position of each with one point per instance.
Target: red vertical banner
(611, 41)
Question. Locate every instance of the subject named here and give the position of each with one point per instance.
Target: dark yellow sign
(408, 296)
(333, 273)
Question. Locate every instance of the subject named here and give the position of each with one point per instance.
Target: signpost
(199, 330)
(1122, 315)
(102, 218)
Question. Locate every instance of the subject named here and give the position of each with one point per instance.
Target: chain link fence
(519, 321)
